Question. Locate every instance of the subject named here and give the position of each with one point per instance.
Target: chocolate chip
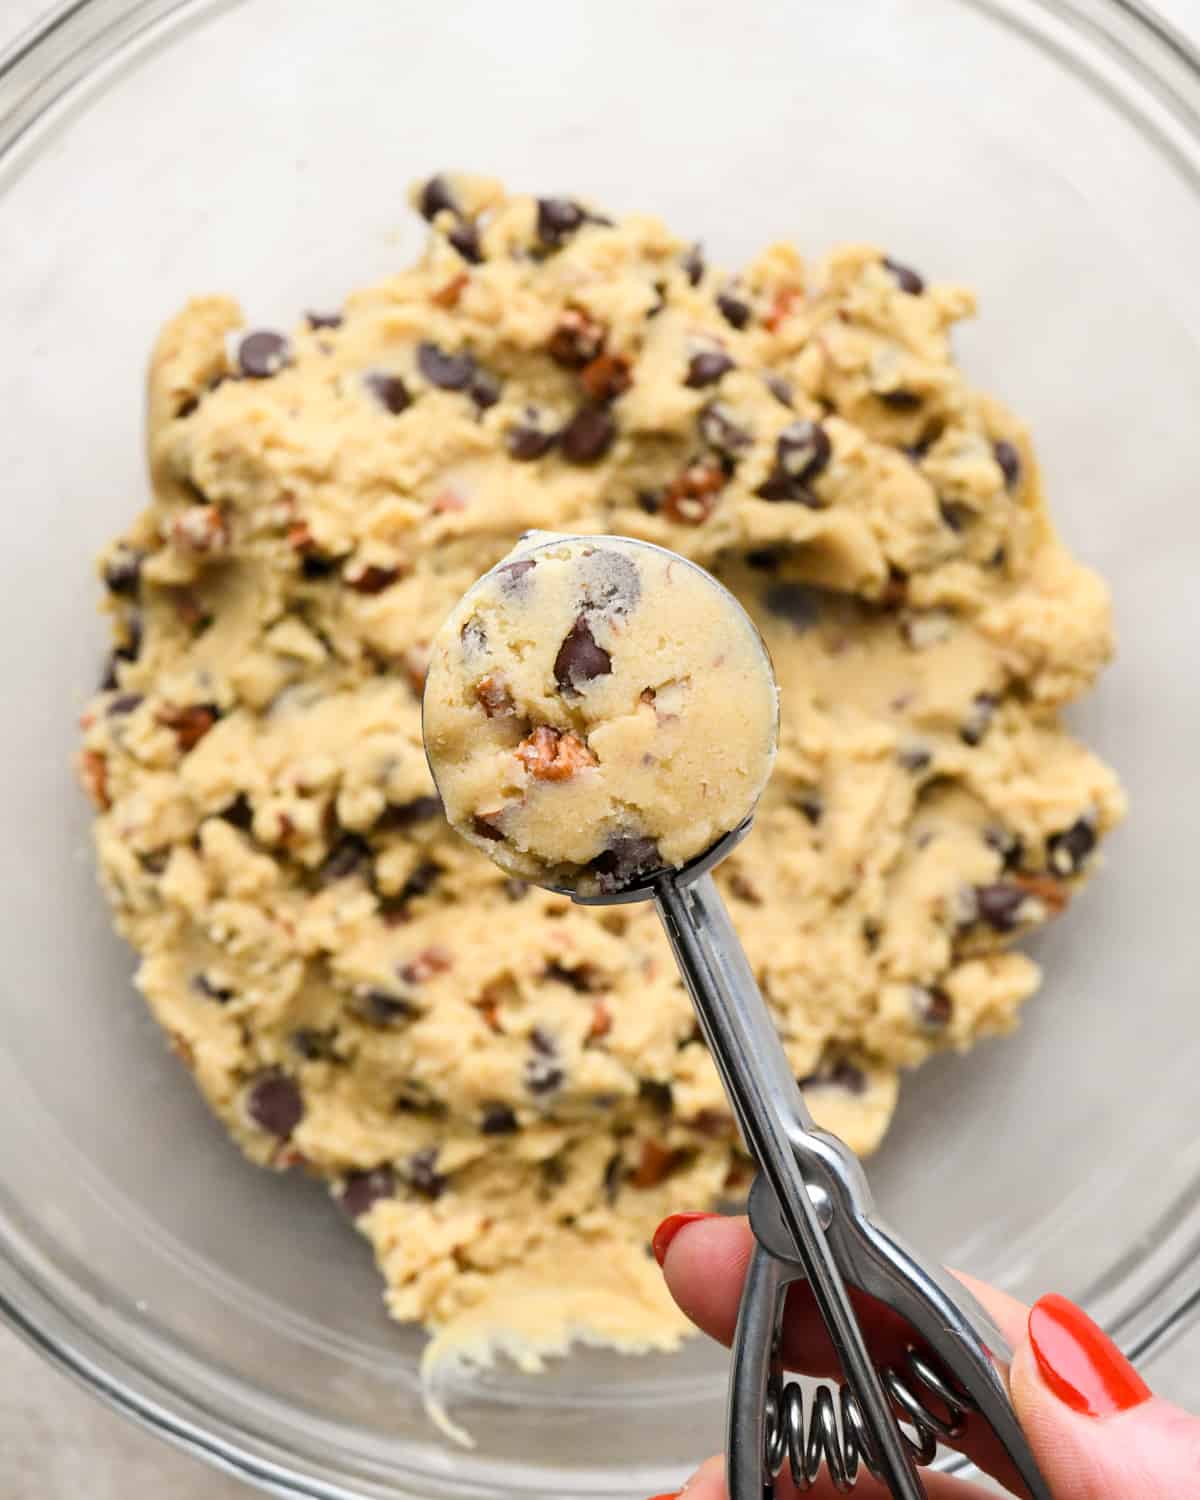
(609, 581)
(580, 659)
(932, 1007)
(1067, 852)
(422, 880)
(484, 389)
(915, 758)
(421, 1173)
(312, 1045)
(203, 985)
(262, 354)
(125, 703)
(1006, 843)
(734, 310)
(316, 567)
(841, 1074)
(131, 648)
(317, 320)
(588, 436)
(794, 602)
(764, 559)
(649, 501)
(584, 979)
(465, 239)
(486, 830)
(275, 1103)
(906, 278)
(239, 813)
(543, 1071)
(348, 857)
(406, 814)
(449, 372)
(979, 718)
(692, 264)
(659, 1096)
(389, 390)
(383, 1008)
(498, 1119)
(812, 805)
(720, 431)
(628, 857)
(614, 1172)
(516, 890)
(361, 1191)
(557, 219)
(511, 574)
(528, 441)
(781, 389)
(436, 197)
(955, 515)
(1006, 455)
(872, 932)
(900, 400)
(803, 450)
(123, 572)
(999, 905)
(706, 368)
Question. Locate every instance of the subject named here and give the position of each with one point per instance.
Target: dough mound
(597, 710)
(504, 1091)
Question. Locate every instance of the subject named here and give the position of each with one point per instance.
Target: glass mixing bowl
(1048, 151)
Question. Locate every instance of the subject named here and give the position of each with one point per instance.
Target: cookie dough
(503, 1090)
(597, 710)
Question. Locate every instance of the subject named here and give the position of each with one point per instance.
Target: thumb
(1098, 1431)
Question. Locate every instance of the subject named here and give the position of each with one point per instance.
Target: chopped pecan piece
(494, 696)
(692, 496)
(577, 339)
(606, 376)
(430, 961)
(601, 1021)
(190, 723)
(550, 755)
(448, 295)
(200, 528)
(655, 1164)
(93, 770)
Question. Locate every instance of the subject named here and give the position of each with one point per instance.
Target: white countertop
(57, 1443)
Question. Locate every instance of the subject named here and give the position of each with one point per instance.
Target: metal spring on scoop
(809, 1444)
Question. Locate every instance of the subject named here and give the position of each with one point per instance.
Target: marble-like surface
(58, 1443)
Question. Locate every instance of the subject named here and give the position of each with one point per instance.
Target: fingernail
(1080, 1363)
(661, 1243)
(671, 1495)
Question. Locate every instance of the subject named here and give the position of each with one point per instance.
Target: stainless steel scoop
(812, 1214)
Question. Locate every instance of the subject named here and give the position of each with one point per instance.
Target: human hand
(1096, 1429)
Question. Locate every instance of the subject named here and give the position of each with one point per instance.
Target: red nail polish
(661, 1243)
(673, 1494)
(1080, 1363)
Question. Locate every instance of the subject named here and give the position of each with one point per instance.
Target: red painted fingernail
(661, 1243)
(673, 1494)
(1080, 1363)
